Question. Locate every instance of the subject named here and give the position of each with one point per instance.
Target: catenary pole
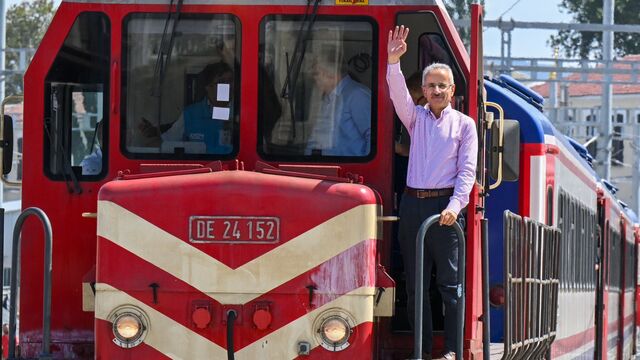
(604, 139)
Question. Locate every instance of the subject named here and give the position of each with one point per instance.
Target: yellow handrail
(500, 140)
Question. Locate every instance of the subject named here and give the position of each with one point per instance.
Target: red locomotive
(267, 240)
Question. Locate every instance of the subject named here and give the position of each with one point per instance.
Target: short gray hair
(437, 66)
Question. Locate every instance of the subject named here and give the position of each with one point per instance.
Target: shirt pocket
(456, 138)
(449, 141)
(194, 136)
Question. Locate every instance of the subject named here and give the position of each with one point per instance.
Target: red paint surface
(301, 204)
(287, 302)
(571, 343)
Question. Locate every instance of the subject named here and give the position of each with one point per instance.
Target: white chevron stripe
(249, 281)
(164, 334)
(179, 342)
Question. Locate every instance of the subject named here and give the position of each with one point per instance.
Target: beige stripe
(88, 297)
(281, 344)
(165, 335)
(179, 342)
(249, 281)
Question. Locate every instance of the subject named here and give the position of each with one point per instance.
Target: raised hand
(396, 46)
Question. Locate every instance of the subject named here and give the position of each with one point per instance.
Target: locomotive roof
(534, 125)
(259, 2)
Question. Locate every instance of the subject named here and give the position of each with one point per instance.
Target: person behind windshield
(208, 121)
(92, 163)
(343, 124)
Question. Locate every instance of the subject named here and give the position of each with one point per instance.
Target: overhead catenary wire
(509, 9)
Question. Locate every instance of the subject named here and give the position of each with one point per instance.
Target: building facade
(576, 111)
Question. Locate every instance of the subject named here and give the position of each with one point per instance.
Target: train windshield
(316, 100)
(181, 88)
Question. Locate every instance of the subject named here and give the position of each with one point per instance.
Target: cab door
(433, 38)
(67, 118)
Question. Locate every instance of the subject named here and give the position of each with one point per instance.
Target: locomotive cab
(160, 121)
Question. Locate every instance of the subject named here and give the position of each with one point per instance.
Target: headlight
(129, 326)
(334, 328)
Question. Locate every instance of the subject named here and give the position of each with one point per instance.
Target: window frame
(124, 90)
(373, 144)
(67, 137)
(456, 68)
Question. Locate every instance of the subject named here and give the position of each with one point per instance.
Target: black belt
(428, 193)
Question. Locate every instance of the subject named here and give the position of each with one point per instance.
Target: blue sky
(525, 42)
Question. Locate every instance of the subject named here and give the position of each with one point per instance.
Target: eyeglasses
(440, 86)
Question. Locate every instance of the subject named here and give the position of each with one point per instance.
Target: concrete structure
(10, 197)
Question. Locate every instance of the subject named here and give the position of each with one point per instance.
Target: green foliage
(461, 9)
(589, 44)
(26, 25)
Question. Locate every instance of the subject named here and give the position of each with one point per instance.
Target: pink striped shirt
(443, 151)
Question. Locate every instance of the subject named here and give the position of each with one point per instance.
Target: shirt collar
(444, 112)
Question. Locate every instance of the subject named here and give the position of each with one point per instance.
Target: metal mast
(606, 127)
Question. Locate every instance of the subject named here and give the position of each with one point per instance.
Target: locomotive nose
(233, 242)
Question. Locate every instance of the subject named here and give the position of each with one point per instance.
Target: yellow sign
(352, 2)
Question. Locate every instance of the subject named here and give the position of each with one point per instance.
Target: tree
(26, 24)
(461, 9)
(589, 44)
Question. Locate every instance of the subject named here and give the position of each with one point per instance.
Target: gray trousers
(441, 251)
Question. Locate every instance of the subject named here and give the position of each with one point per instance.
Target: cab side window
(76, 99)
(428, 45)
(432, 49)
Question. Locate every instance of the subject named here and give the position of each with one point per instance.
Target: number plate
(234, 229)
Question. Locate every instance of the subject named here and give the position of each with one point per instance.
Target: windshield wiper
(67, 169)
(295, 63)
(166, 47)
(293, 67)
